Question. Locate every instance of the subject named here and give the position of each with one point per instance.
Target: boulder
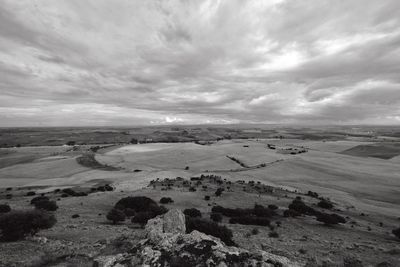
(167, 244)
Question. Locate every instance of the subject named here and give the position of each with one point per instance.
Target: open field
(364, 188)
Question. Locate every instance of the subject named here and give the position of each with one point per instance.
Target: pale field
(367, 183)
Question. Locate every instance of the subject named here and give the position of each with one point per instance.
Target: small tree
(4, 208)
(116, 215)
(15, 225)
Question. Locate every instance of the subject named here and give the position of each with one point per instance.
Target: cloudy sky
(126, 62)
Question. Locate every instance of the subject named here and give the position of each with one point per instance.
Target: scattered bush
(138, 204)
(291, 213)
(262, 221)
(30, 193)
(396, 232)
(192, 212)
(210, 228)
(325, 204)
(4, 208)
(166, 200)
(330, 219)
(273, 234)
(39, 198)
(15, 225)
(46, 205)
(116, 215)
(299, 206)
(216, 217)
(219, 192)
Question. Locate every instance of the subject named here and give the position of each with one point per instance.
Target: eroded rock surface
(167, 244)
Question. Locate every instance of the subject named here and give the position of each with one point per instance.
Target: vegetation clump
(210, 228)
(137, 203)
(299, 206)
(166, 200)
(39, 198)
(291, 213)
(330, 219)
(216, 217)
(396, 232)
(192, 212)
(261, 221)
(325, 204)
(46, 205)
(30, 193)
(116, 215)
(15, 225)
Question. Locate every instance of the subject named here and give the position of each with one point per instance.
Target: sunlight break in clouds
(98, 62)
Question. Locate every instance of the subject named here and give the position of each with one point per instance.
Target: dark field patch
(381, 150)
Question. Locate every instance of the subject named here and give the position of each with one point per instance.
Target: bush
(262, 221)
(261, 211)
(75, 216)
(207, 198)
(312, 194)
(210, 228)
(272, 207)
(166, 200)
(46, 205)
(142, 217)
(254, 231)
(4, 208)
(138, 204)
(192, 189)
(232, 212)
(330, 219)
(396, 232)
(30, 193)
(273, 234)
(299, 206)
(325, 204)
(219, 192)
(15, 225)
(216, 217)
(192, 212)
(71, 192)
(116, 215)
(129, 212)
(291, 213)
(39, 198)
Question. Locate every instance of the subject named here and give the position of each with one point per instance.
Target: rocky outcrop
(167, 244)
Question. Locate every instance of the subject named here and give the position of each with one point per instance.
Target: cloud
(97, 62)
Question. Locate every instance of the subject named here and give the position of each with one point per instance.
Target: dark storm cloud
(127, 62)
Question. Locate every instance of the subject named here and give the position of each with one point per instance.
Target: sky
(135, 62)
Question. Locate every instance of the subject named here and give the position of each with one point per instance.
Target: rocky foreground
(166, 244)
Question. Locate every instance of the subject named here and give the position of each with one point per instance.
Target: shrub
(262, 221)
(30, 193)
(325, 204)
(291, 213)
(261, 211)
(272, 207)
(232, 212)
(219, 192)
(4, 208)
(330, 219)
(273, 234)
(254, 231)
(71, 192)
(75, 216)
(207, 198)
(129, 212)
(192, 212)
(166, 200)
(312, 194)
(396, 232)
(116, 215)
(16, 225)
(216, 217)
(9, 196)
(142, 217)
(39, 198)
(192, 189)
(46, 205)
(138, 204)
(210, 228)
(299, 206)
